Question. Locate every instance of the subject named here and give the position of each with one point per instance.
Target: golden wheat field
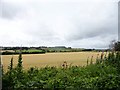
(50, 59)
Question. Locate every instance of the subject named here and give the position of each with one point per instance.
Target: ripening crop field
(50, 59)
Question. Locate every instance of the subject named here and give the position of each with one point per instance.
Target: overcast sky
(74, 23)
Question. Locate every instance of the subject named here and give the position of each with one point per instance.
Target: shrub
(94, 76)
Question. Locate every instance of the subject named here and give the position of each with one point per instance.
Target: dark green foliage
(24, 52)
(117, 46)
(87, 61)
(8, 77)
(105, 74)
(11, 64)
(19, 61)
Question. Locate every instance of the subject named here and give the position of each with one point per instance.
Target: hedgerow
(104, 74)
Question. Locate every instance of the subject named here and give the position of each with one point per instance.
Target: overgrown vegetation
(24, 52)
(104, 74)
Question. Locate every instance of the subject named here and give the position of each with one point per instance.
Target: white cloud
(58, 22)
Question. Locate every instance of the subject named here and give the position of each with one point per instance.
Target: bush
(102, 75)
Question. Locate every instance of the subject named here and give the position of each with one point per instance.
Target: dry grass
(50, 59)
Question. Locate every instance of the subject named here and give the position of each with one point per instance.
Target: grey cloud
(103, 25)
(10, 10)
(104, 31)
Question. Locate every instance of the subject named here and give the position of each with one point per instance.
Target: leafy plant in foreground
(102, 75)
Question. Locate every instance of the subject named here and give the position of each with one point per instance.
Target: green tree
(117, 46)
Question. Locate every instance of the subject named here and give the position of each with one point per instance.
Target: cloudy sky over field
(75, 23)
